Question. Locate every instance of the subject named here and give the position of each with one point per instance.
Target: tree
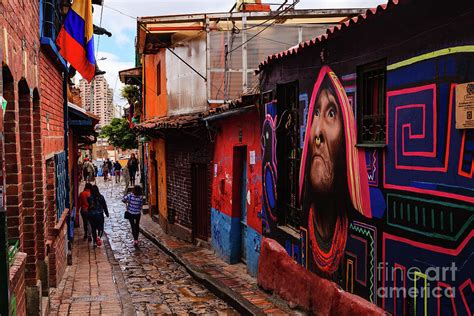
(120, 134)
(131, 93)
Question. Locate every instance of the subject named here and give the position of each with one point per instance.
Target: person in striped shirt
(134, 203)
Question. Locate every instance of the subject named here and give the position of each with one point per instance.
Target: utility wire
(266, 27)
(177, 56)
(120, 12)
(100, 25)
(273, 17)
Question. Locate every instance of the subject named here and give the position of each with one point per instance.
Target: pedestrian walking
(97, 208)
(132, 165)
(117, 171)
(134, 203)
(126, 179)
(83, 207)
(88, 170)
(109, 166)
(105, 171)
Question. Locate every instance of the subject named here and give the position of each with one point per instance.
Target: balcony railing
(51, 18)
(50, 24)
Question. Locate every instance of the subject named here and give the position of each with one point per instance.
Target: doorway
(200, 205)
(154, 162)
(239, 194)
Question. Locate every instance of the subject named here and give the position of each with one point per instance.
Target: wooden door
(200, 207)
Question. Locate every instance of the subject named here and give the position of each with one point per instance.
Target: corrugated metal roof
(331, 32)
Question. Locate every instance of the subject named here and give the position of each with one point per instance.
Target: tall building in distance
(97, 98)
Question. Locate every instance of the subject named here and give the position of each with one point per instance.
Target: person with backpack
(97, 208)
(83, 207)
(134, 203)
(117, 171)
(88, 170)
(132, 165)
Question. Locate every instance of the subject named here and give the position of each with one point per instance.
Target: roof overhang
(131, 76)
(81, 113)
(82, 124)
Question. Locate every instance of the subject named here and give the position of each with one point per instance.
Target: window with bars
(51, 18)
(371, 79)
(288, 154)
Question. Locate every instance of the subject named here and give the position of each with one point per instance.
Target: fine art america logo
(415, 282)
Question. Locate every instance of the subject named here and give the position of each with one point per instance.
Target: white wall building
(97, 98)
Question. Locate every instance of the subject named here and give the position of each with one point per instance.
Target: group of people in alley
(92, 205)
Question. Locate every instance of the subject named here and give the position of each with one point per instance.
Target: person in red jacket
(83, 207)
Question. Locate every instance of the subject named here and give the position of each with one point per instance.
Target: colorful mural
(392, 224)
(333, 176)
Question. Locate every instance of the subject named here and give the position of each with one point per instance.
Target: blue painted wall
(226, 240)
(225, 236)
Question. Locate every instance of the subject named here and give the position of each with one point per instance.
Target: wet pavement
(156, 283)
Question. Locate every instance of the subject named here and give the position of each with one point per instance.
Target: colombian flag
(75, 40)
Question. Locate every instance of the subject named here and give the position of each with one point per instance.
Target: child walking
(134, 203)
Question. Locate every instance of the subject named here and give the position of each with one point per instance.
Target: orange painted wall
(156, 105)
(158, 145)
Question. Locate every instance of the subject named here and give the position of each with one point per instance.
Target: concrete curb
(126, 299)
(222, 291)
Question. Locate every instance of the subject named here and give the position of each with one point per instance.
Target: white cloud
(112, 65)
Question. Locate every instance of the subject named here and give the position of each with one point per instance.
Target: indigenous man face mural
(333, 176)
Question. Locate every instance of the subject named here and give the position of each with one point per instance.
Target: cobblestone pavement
(156, 283)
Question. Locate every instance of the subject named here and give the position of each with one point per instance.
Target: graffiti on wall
(392, 225)
(269, 182)
(333, 176)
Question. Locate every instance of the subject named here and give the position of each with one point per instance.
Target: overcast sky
(119, 49)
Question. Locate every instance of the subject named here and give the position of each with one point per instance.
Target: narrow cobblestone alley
(107, 280)
(155, 282)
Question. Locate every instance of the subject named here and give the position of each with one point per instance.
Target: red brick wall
(17, 282)
(27, 179)
(181, 153)
(21, 57)
(40, 175)
(52, 103)
(57, 251)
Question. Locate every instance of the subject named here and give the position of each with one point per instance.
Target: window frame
(158, 78)
(284, 202)
(362, 95)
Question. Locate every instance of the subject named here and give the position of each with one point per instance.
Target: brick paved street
(89, 286)
(156, 283)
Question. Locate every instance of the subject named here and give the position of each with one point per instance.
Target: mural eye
(332, 113)
(317, 112)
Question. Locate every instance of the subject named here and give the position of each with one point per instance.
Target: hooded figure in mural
(333, 174)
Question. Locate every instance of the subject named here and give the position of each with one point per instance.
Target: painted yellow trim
(425, 290)
(437, 53)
